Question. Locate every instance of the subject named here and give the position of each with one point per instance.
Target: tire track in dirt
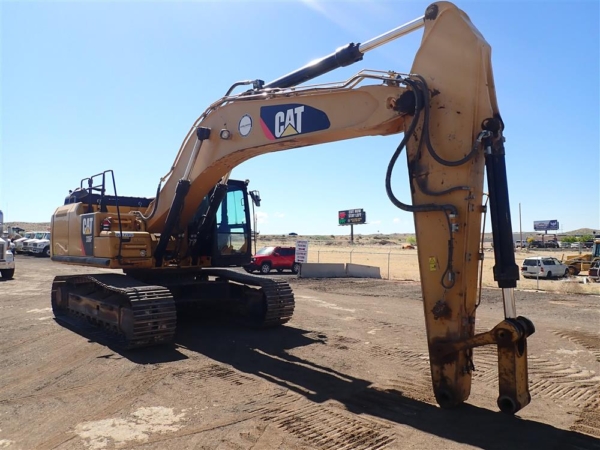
(50, 339)
(589, 418)
(14, 345)
(71, 361)
(590, 341)
(548, 379)
(579, 388)
(141, 385)
(322, 427)
(255, 409)
(408, 358)
(260, 403)
(329, 428)
(415, 384)
(379, 324)
(215, 371)
(72, 391)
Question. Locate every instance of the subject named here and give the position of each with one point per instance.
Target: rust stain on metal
(441, 310)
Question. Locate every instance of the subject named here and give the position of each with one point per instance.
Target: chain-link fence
(404, 265)
(394, 265)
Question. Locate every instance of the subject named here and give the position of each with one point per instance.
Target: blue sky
(90, 86)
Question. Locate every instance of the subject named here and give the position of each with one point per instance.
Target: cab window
(231, 224)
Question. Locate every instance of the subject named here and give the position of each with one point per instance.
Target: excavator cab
(220, 231)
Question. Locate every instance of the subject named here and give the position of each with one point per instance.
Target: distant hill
(29, 226)
(581, 232)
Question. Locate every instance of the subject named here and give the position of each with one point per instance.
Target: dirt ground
(350, 371)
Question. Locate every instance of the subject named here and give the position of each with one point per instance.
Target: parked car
(518, 244)
(551, 244)
(278, 258)
(536, 244)
(543, 267)
(576, 244)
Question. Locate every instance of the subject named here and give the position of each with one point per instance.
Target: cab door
(232, 228)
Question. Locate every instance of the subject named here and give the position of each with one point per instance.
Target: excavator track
(278, 296)
(126, 312)
(115, 309)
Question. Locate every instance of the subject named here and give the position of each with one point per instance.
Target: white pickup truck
(7, 260)
(19, 242)
(38, 245)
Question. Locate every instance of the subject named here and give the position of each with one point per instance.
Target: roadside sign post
(301, 251)
(545, 225)
(352, 217)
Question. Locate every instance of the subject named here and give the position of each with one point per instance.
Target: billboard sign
(545, 225)
(301, 251)
(352, 217)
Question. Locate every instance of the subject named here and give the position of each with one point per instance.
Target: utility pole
(520, 226)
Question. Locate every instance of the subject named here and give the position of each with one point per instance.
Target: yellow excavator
(176, 250)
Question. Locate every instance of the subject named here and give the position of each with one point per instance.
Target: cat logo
(283, 121)
(87, 234)
(87, 224)
(289, 122)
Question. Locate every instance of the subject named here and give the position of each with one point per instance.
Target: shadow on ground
(264, 354)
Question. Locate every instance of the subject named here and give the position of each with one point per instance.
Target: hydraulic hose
(446, 209)
(151, 215)
(427, 137)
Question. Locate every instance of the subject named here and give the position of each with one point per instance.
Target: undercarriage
(140, 308)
